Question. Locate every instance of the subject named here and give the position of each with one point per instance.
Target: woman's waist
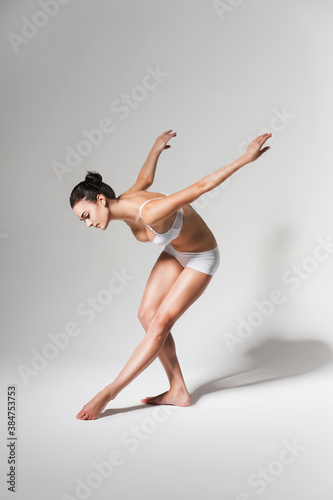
(195, 235)
(204, 245)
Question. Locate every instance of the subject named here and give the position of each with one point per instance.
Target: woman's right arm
(148, 169)
(158, 210)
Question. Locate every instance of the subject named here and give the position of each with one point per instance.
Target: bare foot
(96, 405)
(172, 397)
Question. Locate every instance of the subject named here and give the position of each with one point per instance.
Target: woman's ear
(101, 199)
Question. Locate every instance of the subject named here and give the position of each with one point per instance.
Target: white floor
(262, 428)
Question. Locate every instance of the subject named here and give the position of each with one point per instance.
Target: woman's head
(90, 200)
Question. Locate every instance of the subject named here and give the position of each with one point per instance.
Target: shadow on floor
(114, 411)
(272, 359)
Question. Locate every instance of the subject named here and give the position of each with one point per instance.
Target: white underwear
(206, 262)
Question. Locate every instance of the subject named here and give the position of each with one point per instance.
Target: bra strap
(143, 204)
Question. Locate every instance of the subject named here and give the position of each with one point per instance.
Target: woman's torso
(195, 235)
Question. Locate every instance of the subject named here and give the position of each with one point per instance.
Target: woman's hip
(206, 262)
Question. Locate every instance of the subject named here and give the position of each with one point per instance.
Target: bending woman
(183, 270)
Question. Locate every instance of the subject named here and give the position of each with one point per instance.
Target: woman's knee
(146, 316)
(160, 326)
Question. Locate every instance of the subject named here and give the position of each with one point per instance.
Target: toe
(151, 400)
(82, 415)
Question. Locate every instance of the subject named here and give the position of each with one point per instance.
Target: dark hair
(90, 188)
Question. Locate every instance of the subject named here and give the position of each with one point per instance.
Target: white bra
(165, 238)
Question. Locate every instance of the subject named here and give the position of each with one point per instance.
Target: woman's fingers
(161, 141)
(167, 137)
(263, 138)
(168, 132)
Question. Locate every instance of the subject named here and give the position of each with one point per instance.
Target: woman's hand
(253, 151)
(161, 141)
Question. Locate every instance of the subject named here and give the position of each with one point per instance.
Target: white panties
(206, 262)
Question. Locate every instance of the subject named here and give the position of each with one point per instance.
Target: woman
(182, 271)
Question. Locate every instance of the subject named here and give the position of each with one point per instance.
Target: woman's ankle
(110, 392)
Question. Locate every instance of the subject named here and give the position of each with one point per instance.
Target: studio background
(220, 74)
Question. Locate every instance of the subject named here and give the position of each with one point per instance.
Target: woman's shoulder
(131, 202)
(140, 196)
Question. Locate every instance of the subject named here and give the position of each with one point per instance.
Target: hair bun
(94, 178)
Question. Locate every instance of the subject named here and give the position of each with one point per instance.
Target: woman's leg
(178, 394)
(187, 289)
(162, 277)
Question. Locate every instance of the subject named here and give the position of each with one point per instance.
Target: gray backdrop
(89, 86)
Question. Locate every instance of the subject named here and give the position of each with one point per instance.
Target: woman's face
(93, 214)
